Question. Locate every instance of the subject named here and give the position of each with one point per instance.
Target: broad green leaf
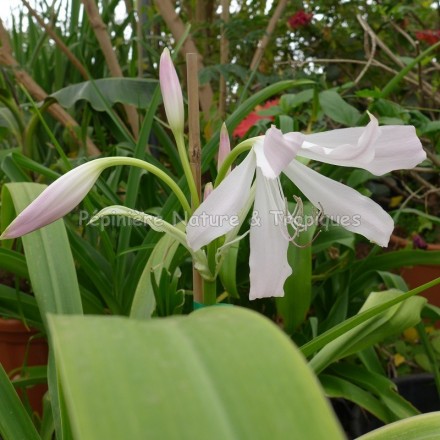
(219, 373)
(107, 91)
(392, 321)
(422, 427)
(15, 423)
(292, 100)
(337, 109)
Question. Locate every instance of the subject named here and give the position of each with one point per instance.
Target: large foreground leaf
(221, 373)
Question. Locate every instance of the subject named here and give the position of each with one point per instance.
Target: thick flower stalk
(376, 149)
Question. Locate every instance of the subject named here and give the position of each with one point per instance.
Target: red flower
(430, 36)
(252, 118)
(300, 19)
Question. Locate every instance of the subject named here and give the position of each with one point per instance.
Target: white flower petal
(373, 148)
(347, 146)
(343, 204)
(218, 214)
(276, 151)
(57, 199)
(396, 148)
(268, 263)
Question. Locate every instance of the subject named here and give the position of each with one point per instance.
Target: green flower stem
(158, 173)
(230, 158)
(210, 287)
(187, 170)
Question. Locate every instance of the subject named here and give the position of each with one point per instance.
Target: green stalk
(242, 147)
(187, 170)
(210, 287)
(131, 161)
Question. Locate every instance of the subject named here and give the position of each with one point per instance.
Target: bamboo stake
(58, 41)
(195, 151)
(267, 35)
(38, 93)
(105, 43)
(177, 28)
(224, 55)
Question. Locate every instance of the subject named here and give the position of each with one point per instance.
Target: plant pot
(415, 276)
(19, 347)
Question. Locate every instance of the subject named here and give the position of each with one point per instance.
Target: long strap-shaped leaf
(15, 423)
(49, 258)
(53, 277)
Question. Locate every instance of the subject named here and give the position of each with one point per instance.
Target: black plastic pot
(418, 389)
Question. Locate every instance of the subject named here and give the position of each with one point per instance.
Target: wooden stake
(224, 55)
(195, 151)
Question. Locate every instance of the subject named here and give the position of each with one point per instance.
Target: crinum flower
(373, 148)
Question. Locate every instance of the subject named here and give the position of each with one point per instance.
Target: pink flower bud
(224, 146)
(171, 92)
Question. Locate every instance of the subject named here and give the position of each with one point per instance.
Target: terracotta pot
(15, 341)
(415, 276)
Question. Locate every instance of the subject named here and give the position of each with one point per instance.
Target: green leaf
(53, 277)
(220, 373)
(335, 387)
(335, 234)
(293, 307)
(49, 258)
(424, 426)
(15, 423)
(320, 341)
(377, 328)
(338, 109)
(144, 302)
(228, 270)
(134, 91)
(379, 385)
(292, 100)
(14, 262)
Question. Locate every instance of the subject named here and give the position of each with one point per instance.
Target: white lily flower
(376, 149)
